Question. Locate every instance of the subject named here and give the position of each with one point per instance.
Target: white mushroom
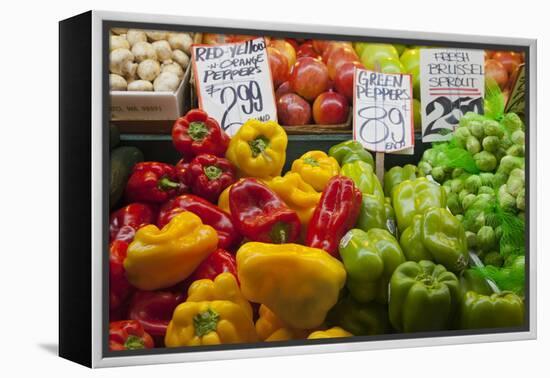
(119, 31)
(143, 50)
(156, 35)
(118, 42)
(140, 86)
(149, 69)
(166, 82)
(134, 36)
(180, 41)
(172, 67)
(181, 58)
(163, 50)
(121, 62)
(117, 82)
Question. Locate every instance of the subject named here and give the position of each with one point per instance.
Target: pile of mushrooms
(147, 60)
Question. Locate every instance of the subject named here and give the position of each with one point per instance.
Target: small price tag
(452, 83)
(516, 101)
(383, 111)
(233, 82)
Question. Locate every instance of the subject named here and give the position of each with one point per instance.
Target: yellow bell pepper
(223, 200)
(258, 149)
(297, 194)
(158, 259)
(299, 284)
(330, 333)
(316, 168)
(223, 287)
(215, 312)
(270, 328)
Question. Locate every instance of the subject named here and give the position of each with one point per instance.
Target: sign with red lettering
(233, 82)
(452, 83)
(383, 111)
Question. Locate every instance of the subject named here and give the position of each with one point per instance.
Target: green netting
(450, 155)
(494, 101)
(510, 277)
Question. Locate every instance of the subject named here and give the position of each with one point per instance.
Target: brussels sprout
(485, 161)
(516, 181)
(457, 172)
(470, 117)
(438, 173)
(471, 239)
(457, 185)
(486, 238)
(424, 168)
(447, 189)
(463, 193)
(521, 215)
(518, 137)
(468, 200)
(512, 122)
(476, 129)
(508, 163)
(506, 142)
(462, 134)
(454, 204)
(479, 222)
(499, 179)
(493, 258)
(520, 200)
(516, 150)
(490, 143)
(505, 199)
(484, 199)
(473, 183)
(492, 128)
(460, 217)
(472, 145)
(429, 155)
(486, 178)
(486, 190)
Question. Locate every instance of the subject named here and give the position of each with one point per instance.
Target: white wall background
(29, 185)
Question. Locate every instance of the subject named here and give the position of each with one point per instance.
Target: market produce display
(225, 245)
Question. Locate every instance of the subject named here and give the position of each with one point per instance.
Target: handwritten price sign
(234, 83)
(383, 118)
(452, 83)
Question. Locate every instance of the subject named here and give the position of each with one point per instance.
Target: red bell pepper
(335, 214)
(124, 222)
(209, 175)
(217, 262)
(128, 335)
(119, 287)
(153, 182)
(210, 214)
(181, 171)
(154, 310)
(196, 133)
(260, 215)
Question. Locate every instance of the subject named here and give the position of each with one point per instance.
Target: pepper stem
(166, 184)
(197, 130)
(426, 279)
(311, 161)
(134, 342)
(205, 322)
(258, 145)
(279, 233)
(212, 172)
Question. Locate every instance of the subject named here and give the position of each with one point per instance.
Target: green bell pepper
(437, 236)
(423, 297)
(373, 213)
(397, 175)
(360, 319)
(369, 259)
(500, 310)
(414, 197)
(349, 151)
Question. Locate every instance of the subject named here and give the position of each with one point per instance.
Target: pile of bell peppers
(224, 247)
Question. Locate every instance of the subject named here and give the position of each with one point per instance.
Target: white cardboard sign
(383, 111)
(233, 82)
(452, 83)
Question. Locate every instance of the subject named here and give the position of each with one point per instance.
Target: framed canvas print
(232, 188)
